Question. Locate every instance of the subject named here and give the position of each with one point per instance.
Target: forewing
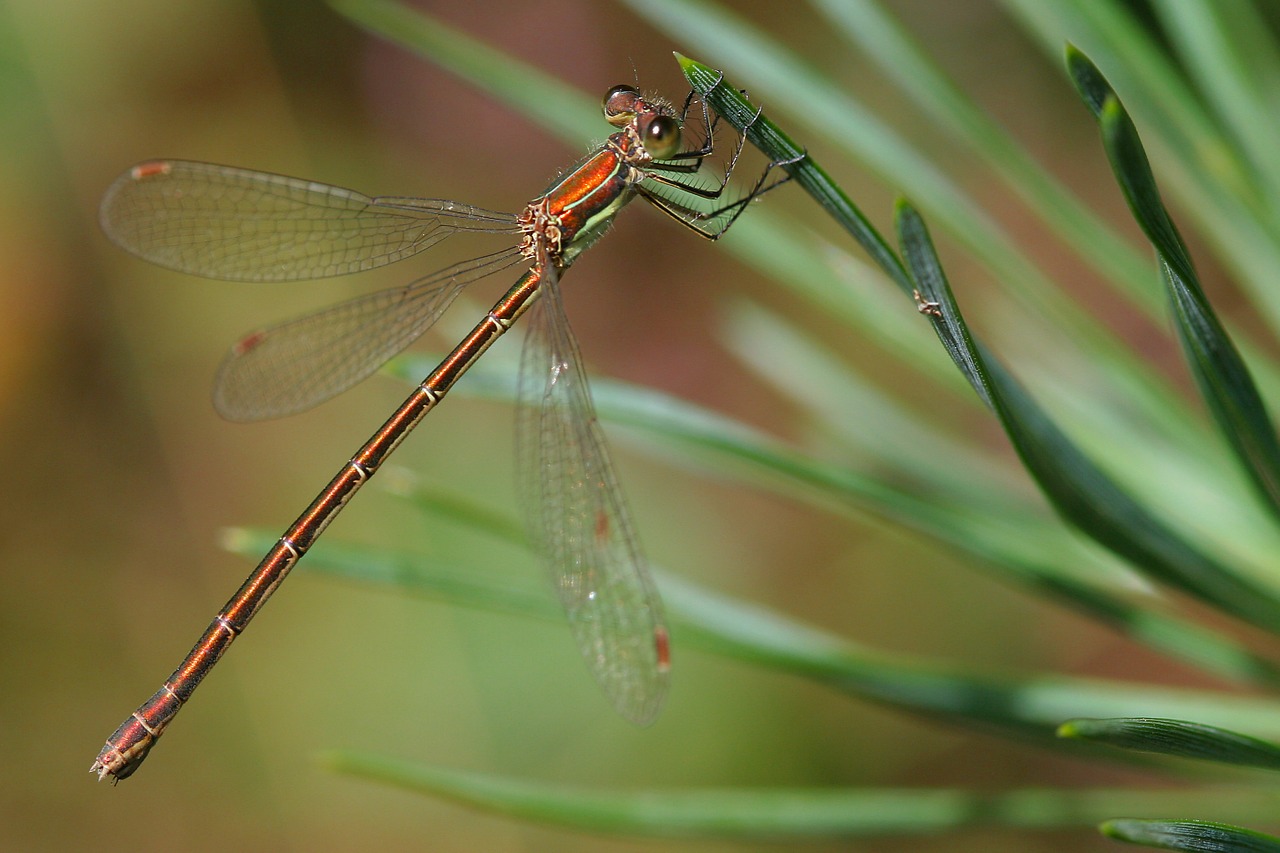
(296, 365)
(580, 521)
(223, 222)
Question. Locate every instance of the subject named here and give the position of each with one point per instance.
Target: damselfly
(236, 224)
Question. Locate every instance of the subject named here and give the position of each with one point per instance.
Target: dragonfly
(241, 225)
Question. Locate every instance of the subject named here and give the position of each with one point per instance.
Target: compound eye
(662, 137)
(620, 104)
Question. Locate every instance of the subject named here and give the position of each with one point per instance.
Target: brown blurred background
(120, 475)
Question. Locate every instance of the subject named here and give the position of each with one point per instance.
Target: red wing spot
(248, 342)
(662, 646)
(602, 527)
(150, 170)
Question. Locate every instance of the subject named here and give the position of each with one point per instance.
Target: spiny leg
(696, 220)
(709, 121)
(703, 192)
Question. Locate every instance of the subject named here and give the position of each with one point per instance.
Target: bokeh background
(120, 476)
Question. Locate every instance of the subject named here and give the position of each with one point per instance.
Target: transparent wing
(223, 222)
(580, 521)
(296, 365)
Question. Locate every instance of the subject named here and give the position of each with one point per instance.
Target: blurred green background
(120, 475)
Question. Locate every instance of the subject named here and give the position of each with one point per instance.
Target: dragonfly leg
(712, 224)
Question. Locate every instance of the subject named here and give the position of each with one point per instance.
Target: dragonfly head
(653, 122)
